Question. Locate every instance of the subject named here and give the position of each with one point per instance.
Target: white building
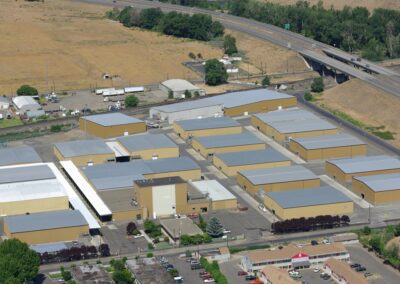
(178, 87)
(4, 103)
(26, 103)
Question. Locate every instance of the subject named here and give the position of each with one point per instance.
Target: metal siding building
(18, 156)
(344, 169)
(277, 179)
(48, 227)
(26, 103)
(178, 87)
(245, 141)
(111, 125)
(233, 162)
(309, 202)
(206, 127)
(328, 147)
(378, 189)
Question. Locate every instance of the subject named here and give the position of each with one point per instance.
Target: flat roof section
(235, 99)
(214, 190)
(207, 123)
(380, 183)
(308, 197)
(202, 103)
(25, 173)
(287, 114)
(366, 164)
(302, 125)
(177, 164)
(268, 155)
(328, 141)
(83, 147)
(178, 85)
(179, 227)
(146, 142)
(278, 175)
(219, 141)
(18, 155)
(111, 119)
(45, 221)
(159, 181)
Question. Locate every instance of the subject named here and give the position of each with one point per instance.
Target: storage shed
(178, 87)
(26, 103)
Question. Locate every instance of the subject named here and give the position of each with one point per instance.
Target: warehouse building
(84, 152)
(24, 104)
(277, 179)
(30, 189)
(111, 125)
(308, 202)
(293, 257)
(206, 127)
(342, 273)
(283, 125)
(221, 197)
(260, 100)
(179, 87)
(186, 110)
(149, 146)
(378, 189)
(274, 275)
(328, 147)
(209, 145)
(343, 170)
(46, 227)
(233, 162)
(18, 156)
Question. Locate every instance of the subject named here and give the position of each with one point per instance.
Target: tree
(188, 94)
(196, 94)
(18, 263)
(122, 277)
(170, 94)
(366, 230)
(131, 101)
(373, 50)
(199, 56)
(317, 85)
(131, 229)
(266, 81)
(150, 18)
(104, 250)
(230, 45)
(308, 96)
(215, 73)
(192, 55)
(214, 228)
(66, 275)
(26, 90)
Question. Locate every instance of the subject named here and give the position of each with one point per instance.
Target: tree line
(75, 253)
(196, 26)
(309, 224)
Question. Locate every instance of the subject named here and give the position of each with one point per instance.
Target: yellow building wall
(128, 215)
(224, 204)
(206, 132)
(161, 153)
(196, 207)
(83, 160)
(263, 106)
(206, 151)
(309, 211)
(34, 205)
(375, 197)
(48, 236)
(111, 131)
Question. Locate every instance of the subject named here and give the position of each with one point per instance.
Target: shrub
(149, 254)
(26, 90)
(308, 96)
(230, 45)
(188, 94)
(317, 85)
(215, 73)
(131, 101)
(170, 95)
(266, 81)
(56, 128)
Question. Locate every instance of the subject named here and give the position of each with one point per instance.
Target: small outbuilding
(309, 202)
(343, 170)
(378, 189)
(4, 103)
(277, 179)
(26, 103)
(328, 147)
(209, 145)
(179, 87)
(206, 127)
(232, 162)
(221, 198)
(111, 125)
(46, 227)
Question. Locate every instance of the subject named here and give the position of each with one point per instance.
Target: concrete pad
(275, 145)
(176, 138)
(356, 199)
(195, 155)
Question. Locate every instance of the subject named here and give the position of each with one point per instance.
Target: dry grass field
(338, 4)
(366, 104)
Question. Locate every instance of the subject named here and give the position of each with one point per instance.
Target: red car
(242, 273)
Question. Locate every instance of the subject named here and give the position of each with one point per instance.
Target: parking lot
(189, 275)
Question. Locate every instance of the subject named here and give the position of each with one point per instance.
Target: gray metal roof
(83, 147)
(207, 123)
(287, 114)
(19, 155)
(178, 85)
(302, 125)
(146, 141)
(182, 226)
(278, 175)
(308, 197)
(21, 174)
(172, 165)
(45, 221)
(268, 155)
(219, 141)
(366, 164)
(379, 183)
(110, 119)
(328, 141)
(184, 106)
(235, 99)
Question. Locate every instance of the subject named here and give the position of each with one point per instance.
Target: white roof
(178, 85)
(117, 148)
(22, 101)
(87, 190)
(215, 190)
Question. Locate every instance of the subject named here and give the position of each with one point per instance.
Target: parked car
(316, 270)
(367, 274)
(250, 277)
(242, 273)
(195, 266)
(314, 242)
(354, 265)
(202, 273)
(360, 269)
(210, 280)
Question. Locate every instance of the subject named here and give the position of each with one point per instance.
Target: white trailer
(101, 91)
(134, 89)
(115, 92)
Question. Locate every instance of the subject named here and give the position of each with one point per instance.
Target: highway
(381, 77)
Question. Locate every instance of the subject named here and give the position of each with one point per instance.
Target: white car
(209, 280)
(316, 270)
(226, 231)
(262, 207)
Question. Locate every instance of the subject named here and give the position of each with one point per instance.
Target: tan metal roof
(277, 276)
(343, 271)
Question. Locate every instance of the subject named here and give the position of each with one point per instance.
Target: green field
(10, 122)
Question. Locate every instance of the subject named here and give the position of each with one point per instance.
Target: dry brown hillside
(366, 104)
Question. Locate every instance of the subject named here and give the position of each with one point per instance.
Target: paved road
(388, 80)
